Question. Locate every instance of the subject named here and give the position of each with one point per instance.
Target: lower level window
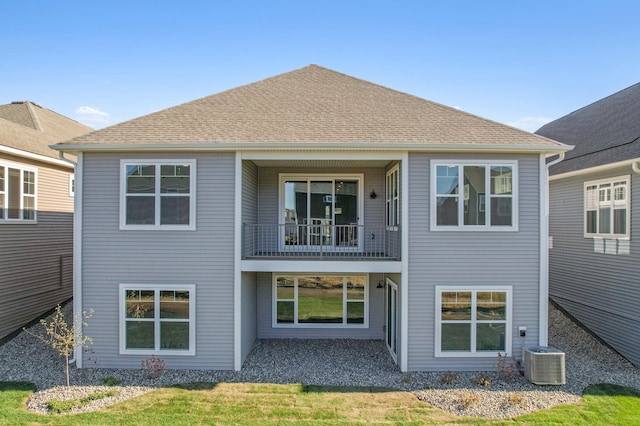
(320, 301)
(157, 319)
(473, 322)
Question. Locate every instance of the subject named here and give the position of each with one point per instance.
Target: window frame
(191, 226)
(392, 198)
(473, 353)
(487, 164)
(610, 203)
(72, 185)
(4, 193)
(157, 288)
(296, 324)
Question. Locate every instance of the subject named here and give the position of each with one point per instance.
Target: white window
(158, 194)
(157, 319)
(320, 301)
(473, 322)
(471, 195)
(606, 208)
(72, 185)
(392, 196)
(17, 193)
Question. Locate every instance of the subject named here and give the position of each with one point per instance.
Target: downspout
(543, 331)
(76, 304)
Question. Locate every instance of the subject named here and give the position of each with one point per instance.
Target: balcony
(320, 240)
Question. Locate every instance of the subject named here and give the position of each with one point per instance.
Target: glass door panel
(295, 213)
(346, 213)
(321, 213)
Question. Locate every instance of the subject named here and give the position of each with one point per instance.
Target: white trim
(157, 288)
(321, 155)
(309, 177)
(72, 185)
(313, 146)
(341, 266)
(158, 195)
(237, 266)
(474, 290)
(487, 227)
(611, 204)
(543, 291)
(595, 169)
(394, 287)
(32, 156)
(77, 253)
(345, 300)
(6, 165)
(392, 184)
(404, 278)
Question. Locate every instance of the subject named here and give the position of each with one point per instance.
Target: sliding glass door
(321, 210)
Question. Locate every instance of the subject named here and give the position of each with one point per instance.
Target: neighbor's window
(157, 319)
(473, 322)
(474, 196)
(326, 301)
(606, 208)
(393, 197)
(158, 194)
(17, 193)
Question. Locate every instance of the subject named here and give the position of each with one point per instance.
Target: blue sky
(518, 62)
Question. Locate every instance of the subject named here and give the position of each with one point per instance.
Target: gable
(310, 107)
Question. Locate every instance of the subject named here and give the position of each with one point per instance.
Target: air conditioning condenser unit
(544, 365)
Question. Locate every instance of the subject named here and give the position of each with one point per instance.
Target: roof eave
(315, 146)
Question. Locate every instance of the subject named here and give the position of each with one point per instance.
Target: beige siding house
(36, 213)
(311, 205)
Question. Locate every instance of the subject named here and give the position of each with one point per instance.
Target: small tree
(64, 337)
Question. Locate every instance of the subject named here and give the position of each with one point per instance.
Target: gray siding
(470, 258)
(203, 257)
(600, 290)
(249, 317)
(36, 259)
(264, 318)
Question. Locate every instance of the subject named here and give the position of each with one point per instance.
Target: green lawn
(269, 404)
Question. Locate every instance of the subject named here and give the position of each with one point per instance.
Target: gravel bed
(336, 363)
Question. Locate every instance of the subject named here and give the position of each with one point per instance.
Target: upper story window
(392, 197)
(470, 195)
(17, 193)
(157, 194)
(606, 208)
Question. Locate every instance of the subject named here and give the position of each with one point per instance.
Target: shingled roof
(607, 131)
(29, 127)
(312, 107)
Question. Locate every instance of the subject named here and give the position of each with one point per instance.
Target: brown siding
(36, 259)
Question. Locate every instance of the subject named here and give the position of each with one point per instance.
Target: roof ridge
(34, 117)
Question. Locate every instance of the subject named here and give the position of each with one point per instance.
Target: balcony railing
(320, 241)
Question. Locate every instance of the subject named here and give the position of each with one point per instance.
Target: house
(311, 205)
(595, 219)
(36, 213)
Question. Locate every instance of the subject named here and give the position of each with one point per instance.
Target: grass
(270, 404)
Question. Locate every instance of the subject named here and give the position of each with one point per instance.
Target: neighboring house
(36, 213)
(595, 219)
(311, 205)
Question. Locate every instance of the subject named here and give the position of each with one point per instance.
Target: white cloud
(93, 116)
(530, 124)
